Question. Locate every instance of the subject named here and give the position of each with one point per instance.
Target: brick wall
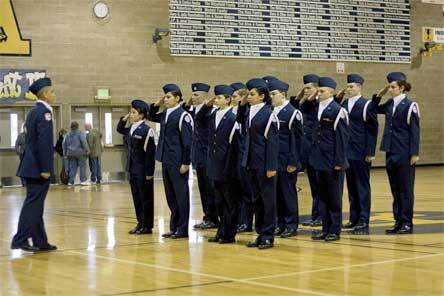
(81, 54)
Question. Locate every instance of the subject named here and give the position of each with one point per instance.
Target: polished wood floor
(96, 256)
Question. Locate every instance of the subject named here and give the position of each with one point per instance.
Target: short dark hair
(74, 125)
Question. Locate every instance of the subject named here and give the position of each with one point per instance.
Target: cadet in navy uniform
(222, 161)
(400, 141)
(260, 158)
(199, 152)
(311, 84)
(329, 157)
(360, 153)
(290, 130)
(36, 167)
(140, 164)
(174, 152)
(246, 209)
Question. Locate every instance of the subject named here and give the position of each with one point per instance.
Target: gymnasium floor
(96, 256)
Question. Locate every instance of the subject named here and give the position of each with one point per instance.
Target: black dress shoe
(227, 241)
(208, 225)
(289, 233)
(349, 225)
(393, 230)
(199, 225)
(144, 231)
(25, 247)
(267, 244)
(135, 229)
(360, 229)
(47, 248)
(332, 237)
(241, 228)
(168, 234)
(178, 235)
(278, 231)
(316, 223)
(405, 229)
(319, 236)
(307, 223)
(254, 244)
(215, 239)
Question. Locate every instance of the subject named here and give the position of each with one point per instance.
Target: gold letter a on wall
(11, 42)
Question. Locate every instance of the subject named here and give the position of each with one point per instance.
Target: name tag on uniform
(48, 116)
(137, 137)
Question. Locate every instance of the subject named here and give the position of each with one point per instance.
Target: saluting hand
(300, 94)
(125, 118)
(313, 96)
(184, 169)
(271, 174)
(189, 102)
(211, 101)
(340, 95)
(159, 103)
(383, 91)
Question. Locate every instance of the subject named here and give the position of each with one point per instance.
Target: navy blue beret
(170, 88)
(311, 78)
(396, 76)
(140, 106)
(200, 87)
(39, 84)
(269, 78)
(256, 83)
(277, 84)
(327, 82)
(355, 78)
(238, 86)
(223, 90)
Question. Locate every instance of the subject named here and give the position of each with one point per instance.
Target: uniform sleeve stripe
(364, 114)
(272, 118)
(409, 114)
(341, 114)
(233, 130)
(182, 117)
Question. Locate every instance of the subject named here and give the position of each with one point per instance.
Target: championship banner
(14, 84)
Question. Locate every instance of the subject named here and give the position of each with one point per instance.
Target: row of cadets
(329, 157)
(140, 164)
(174, 152)
(223, 151)
(246, 208)
(400, 142)
(290, 130)
(311, 84)
(360, 153)
(260, 158)
(199, 152)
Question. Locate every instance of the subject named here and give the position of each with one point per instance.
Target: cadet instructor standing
(36, 168)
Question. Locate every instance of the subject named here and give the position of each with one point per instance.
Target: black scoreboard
(341, 30)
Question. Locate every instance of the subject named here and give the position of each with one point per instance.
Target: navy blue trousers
(287, 201)
(31, 223)
(143, 199)
(178, 197)
(331, 184)
(359, 194)
(402, 180)
(264, 192)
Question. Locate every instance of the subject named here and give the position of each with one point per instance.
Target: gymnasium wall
(81, 54)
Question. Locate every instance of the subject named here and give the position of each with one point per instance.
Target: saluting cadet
(36, 168)
(199, 152)
(140, 164)
(329, 157)
(246, 209)
(360, 153)
(223, 153)
(400, 141)
(174, 152)
(311, 84)
(260, 158)
(290, 129)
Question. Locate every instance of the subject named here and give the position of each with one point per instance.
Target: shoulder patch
(48, 116)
